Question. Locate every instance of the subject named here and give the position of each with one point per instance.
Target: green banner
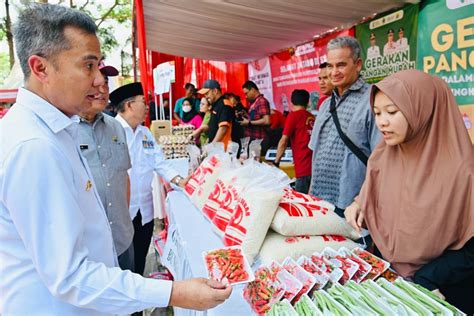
(445, 45)
(388, 43)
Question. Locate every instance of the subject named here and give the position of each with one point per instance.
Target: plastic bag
(255, 149)
(255, 209)
(194, 157)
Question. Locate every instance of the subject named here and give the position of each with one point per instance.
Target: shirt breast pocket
(121, 159)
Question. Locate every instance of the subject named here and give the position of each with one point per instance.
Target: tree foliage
(106, 14)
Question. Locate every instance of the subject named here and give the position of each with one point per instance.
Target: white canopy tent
(244, 30)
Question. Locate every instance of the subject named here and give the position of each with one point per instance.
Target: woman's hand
(438, 293)
(354, 216)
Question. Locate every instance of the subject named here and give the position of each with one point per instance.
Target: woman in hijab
(418, 196)
(190, 115)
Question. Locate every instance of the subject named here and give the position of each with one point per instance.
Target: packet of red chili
(378, 265)
(390, 275)
(301, 274)
(292, 285)
(364, 267)
(228, 265)
(334, 273)
(264, 291)
(319, 275)
(348, 267)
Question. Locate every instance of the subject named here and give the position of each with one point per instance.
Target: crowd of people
(76, 205)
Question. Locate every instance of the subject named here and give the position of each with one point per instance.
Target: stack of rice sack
(240, 200)
(302, 225)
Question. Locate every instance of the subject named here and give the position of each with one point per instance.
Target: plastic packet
(390, 275)
(404, 298)
(328, 305)
(369, 299)
(244, 150)
(334, 273)
(228, 265)
(306, 307)
(255, 149)
(292, 285)
(264, 291)
(319, 275)
(212, 149)
(233, 149)
(348, 267)
(364, 267)
(282, 308)
(194, 157)
(434, 306)
(397, 306)
(301, 274)
(378, 265)
(351, 301)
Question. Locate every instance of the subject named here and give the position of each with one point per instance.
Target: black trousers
(141, 242)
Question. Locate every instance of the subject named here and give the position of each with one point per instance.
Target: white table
(189, 235)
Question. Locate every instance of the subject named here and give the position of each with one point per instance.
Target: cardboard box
(160, 128)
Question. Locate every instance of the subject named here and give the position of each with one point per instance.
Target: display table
(189, 235)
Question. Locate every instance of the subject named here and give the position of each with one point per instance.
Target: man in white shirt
(402, 42)
(146, 156)
(373, 51)
(391, 46)
(56, 248)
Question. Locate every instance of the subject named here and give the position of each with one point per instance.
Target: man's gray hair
(343, 42)
(121, 106)
(40, 31)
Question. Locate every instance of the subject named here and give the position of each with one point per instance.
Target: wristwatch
(250, 123)
(176, 180)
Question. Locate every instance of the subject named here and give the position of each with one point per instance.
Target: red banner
(300, 70)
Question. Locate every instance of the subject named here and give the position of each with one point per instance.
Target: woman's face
(390, 120)
(204, 106)
(186, 106)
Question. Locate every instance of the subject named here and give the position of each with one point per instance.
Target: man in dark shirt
(259, 113)
(222, 115)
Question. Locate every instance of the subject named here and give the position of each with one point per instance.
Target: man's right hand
(199, 294)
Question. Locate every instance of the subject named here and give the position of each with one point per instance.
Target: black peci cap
(125, 92)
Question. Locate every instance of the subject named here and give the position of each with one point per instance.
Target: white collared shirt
(146, 157)
(373, 52)
(56, 250)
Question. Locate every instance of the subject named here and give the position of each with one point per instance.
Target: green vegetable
(415, 294)
(437, 299)
(396, 305)
(282, 308)
(405, 299)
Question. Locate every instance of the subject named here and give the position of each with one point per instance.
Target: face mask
(186, 108)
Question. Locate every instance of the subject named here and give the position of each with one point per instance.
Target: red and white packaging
(364, 267)
(277, 247)
(334, 273)
(202, 181)
(302, 214)
(348, 267)
(301, 274)
(319, 275)
(224, 197)
(254, 211)
(291, 284)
